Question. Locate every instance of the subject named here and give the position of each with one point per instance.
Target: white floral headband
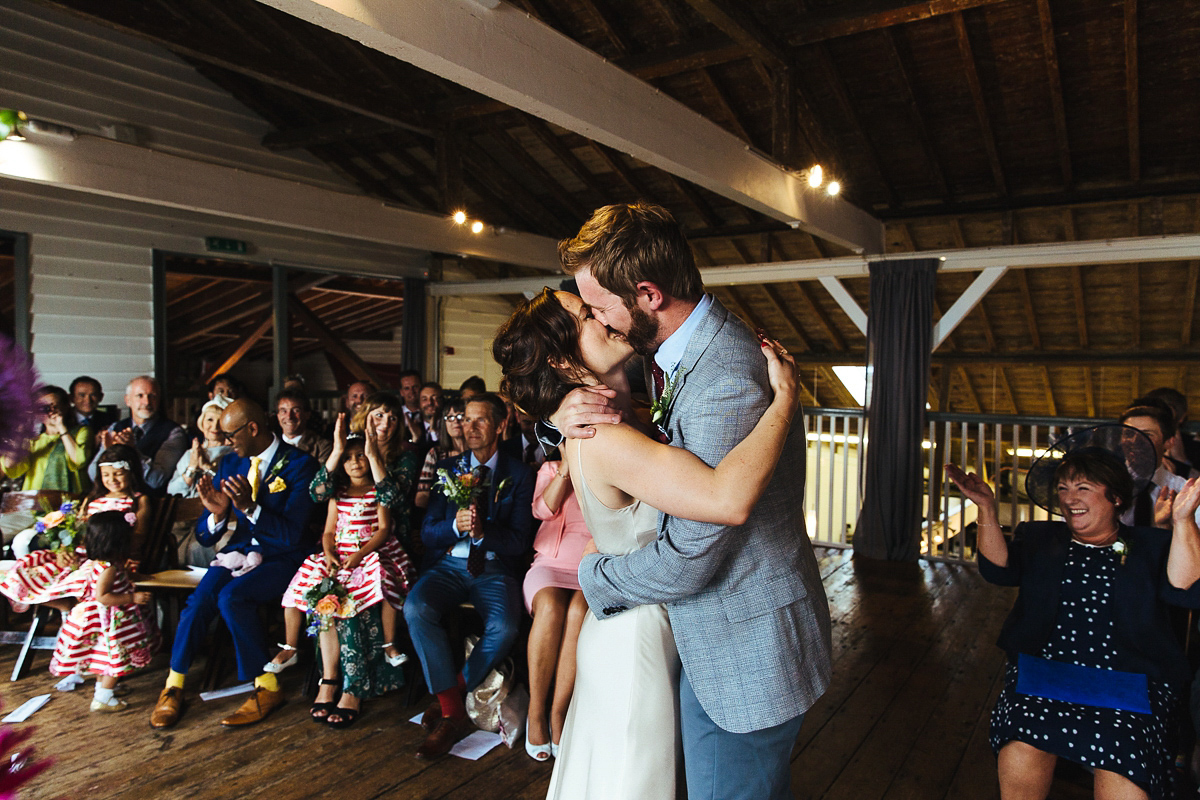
(115, 465)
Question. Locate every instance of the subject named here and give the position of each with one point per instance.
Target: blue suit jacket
(282, 530)
(508, 527)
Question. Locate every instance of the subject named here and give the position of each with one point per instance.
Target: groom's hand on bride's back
(584, 407)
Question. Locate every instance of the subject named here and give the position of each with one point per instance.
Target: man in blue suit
(262, 489)
(476, 554)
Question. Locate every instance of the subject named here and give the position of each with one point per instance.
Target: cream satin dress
(622, 738)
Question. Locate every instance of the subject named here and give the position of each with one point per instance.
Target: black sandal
(328, 708)
(347, 715)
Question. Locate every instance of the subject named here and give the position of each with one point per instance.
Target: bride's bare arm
(678, 483)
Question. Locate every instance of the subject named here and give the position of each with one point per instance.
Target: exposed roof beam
(510, 57)
(100, 166)
(1080, 304)
(1179, 247)
(1035, 335)
(1089, 392)
(918, 121)
(1189, 303)
(873, 15)
(981, 111)
(1132, 114)
(965, 303)
(738, 25)
(327, 133)
(1054, 85)
(966, 381)
(819, 312)
(788, 317)
(846, 302)
(1048, 385)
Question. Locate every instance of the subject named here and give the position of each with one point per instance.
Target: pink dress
(108, 640)
(382, 574)
(33, 577)
(558, 547)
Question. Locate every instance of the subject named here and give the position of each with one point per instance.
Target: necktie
(531, 452)
(1143, 508)
(659, 379)
(252, 477)
(476, 558)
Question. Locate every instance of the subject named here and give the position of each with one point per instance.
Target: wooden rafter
(783, 115)
(1054, 84)
(971, 73)
(613, 160)
(1134, 303)
(1089, 391)
(781, 306)
(1132, 112)
(1080, 304)
(826, 323)
(244, 347)
(1189, 303)
(1002, 375)
(505, 190)
(965, 379)
(736, 23)
(534, 168)
(547, 137)
(837, 20)
(695, 200)
(333, 345)
(731, 116)
(607, 26)
(743, 308)
(1035, 335)
(1049, 387)
(918, 120)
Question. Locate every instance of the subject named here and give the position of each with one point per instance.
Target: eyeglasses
(225, 437)
(453, 418)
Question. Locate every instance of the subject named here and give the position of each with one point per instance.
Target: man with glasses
(476, 554)
(261, 488)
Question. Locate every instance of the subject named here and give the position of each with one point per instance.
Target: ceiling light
(476, 227)
(459, 217)
(833, 188)
(816, 176)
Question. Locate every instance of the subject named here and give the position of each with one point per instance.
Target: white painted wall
(468, 324)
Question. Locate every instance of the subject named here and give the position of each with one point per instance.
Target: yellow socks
(175, 680)
(267, 681)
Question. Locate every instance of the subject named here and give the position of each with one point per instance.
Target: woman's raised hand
(371, 444)
(781, 371)
(975, 488)
(1187, 500)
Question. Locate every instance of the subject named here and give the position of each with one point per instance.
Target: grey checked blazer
(746, 603)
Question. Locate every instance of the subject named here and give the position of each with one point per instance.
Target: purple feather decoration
(18, 383)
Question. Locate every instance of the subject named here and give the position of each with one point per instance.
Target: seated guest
(263, 485)
(471, 387)
(356, 393)
(431, 409)
(201, 459)
(158, 440)
(294, 383)
(86, 394)
(475, 554)
(57, 457)
(392, 458)
(1151, 506)
(554, 598)
(410, 393)
(225, 385)
(449, 443)
(1095, 673)
(293, 411)
(1184, 453)
(525, 444)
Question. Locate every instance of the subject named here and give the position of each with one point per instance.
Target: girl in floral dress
(109, 629)
(34, 577)
(361, 553)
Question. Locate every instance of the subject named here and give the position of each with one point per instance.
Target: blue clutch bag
(1089, 686)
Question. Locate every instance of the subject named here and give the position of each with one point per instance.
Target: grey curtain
(412, 326)
(899, 337)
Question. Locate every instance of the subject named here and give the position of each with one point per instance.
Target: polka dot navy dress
(1125, 742)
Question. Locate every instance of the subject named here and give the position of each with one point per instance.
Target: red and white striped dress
(33, 577)
(108, 640)
(382, 574)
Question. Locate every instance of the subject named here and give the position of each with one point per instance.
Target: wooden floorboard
(905, 717)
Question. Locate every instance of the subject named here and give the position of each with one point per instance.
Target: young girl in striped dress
(361, 552)
(109, 630)
(35, 576)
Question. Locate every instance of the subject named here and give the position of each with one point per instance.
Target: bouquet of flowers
(60, 528)
(461, 488)
(326, 601)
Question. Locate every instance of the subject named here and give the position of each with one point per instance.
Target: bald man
(262, 486)
(158, 440)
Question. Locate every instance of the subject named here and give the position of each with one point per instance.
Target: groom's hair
(627, 243)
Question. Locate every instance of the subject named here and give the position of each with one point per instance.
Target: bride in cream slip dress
(621, 738)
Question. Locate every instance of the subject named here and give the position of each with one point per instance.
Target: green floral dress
(393, 491)
(365, 671)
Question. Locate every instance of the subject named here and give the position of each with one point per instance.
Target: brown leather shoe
(256, 708)
(431, 717)
(448, 731)
(168, 709)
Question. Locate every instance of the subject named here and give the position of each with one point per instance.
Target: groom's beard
(643, 332)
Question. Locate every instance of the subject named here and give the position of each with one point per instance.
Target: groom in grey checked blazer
(746, 604)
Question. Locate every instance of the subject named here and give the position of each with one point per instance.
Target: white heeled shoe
(538, 752)
(554, 750)
(272, 667)
(395, 660)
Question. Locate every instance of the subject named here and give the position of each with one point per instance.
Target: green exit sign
(215, 244)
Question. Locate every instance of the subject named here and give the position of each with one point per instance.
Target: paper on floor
(26, 709)
(217, 694)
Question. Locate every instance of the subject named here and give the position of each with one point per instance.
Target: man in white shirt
(292, 411)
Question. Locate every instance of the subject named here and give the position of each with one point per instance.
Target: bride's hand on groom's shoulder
(782, 373)
(584, 407)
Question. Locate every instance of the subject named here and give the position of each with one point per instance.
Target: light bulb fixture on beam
(815, 176)
(11, 122)
(477, 227)
(459, 217)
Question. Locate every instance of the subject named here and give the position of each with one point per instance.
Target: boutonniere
(277, 485)
(1121, 548)
(504, 484)
(662, 404)
(275, 469)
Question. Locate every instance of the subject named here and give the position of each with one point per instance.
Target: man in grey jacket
(746, 603)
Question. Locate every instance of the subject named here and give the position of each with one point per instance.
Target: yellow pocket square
(277, 485)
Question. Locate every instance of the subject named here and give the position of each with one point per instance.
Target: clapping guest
(449, 443)
(410, 393)
(200, 459)
(1184, 453)
(293, 412)
(431, 409)
(1091, 612)
(553, 597)
(356, 393)
(57, 456)
(1151, 505)
(159, 441)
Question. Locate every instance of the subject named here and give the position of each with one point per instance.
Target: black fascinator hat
(1122, 444)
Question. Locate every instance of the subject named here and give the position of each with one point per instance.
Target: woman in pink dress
(553, 597)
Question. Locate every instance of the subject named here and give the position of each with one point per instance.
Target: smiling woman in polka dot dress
(1089, 631)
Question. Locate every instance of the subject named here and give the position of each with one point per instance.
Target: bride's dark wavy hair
(538, 335)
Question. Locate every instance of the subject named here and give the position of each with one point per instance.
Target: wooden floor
(915, 672)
